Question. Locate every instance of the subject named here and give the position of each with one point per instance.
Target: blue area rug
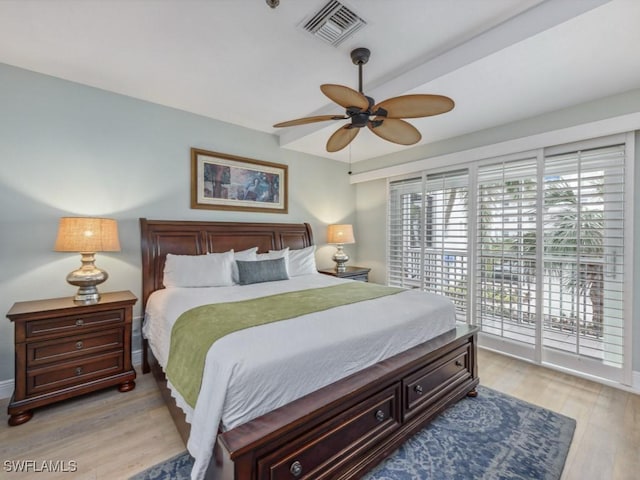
(493, 436)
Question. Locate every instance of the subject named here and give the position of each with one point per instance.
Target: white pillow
(248, 255)
(302, 261)
(212, 270)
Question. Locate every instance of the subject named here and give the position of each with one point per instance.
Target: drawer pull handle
(296, 469)
(458, 363)
(79, 322)
(79, 371)
(380, 415)
(418, 389)
(79, 345)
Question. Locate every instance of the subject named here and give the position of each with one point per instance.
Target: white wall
(371, 196)
(67, 149)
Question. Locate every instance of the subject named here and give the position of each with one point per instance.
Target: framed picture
(227, 182)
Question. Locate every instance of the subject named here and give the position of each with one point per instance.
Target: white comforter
(253, 371)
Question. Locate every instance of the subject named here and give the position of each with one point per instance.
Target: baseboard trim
(136, 357)
(635, 376)
(6, 388)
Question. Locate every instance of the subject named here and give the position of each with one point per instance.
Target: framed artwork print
(227, 182)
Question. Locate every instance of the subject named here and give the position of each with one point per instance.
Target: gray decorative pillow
(262, 271)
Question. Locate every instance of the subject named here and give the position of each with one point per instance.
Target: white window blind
(547, 237)
(446, 243)
(583, 253)
(404, 262)
(506, 249)
(428, 235)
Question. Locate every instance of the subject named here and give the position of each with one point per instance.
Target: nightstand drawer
(54, 377)
(73, 323)
(351, 273)
(39, 353)
(359, 278)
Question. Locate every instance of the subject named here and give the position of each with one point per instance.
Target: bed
(349, 420)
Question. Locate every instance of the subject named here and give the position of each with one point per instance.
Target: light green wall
(371, 197)
(68, 149)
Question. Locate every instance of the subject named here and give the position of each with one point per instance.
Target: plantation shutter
(404, 256)
(428, 235)
(544, 273)
(584, 252)
(506, 249)
(446, 243)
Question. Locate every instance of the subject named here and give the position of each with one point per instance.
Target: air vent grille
(334, 23)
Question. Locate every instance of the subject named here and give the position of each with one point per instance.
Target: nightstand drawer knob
(296, 469)
(418, 389)
(380, 415)
(458, 363)
(79, 345)
(79, 371)
(79, 322)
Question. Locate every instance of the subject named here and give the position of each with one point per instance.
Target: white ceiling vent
(334, 23)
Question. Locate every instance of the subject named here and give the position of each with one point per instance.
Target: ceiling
(242, 62)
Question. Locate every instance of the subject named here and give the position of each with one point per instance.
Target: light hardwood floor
(113, 435)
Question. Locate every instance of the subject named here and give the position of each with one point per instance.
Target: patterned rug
(492, 436)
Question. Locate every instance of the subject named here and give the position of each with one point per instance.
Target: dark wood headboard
(159, 237)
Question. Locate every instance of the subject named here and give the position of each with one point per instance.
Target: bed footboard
(343, 430)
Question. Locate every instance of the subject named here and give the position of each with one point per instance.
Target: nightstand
(64, 349)
(352, 273)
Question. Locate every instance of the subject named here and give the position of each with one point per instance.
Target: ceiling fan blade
(303, 121)
(414, 106)
(345, 96)
(341, 138)
(395, 130)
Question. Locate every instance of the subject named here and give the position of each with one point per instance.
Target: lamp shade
(340, 234)
(84, 234)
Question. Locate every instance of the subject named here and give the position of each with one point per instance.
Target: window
(583, 241)
(428, 235)
(506, 246)
(534, 256)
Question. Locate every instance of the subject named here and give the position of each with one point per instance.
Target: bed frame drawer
(428, 385)
(326, 446)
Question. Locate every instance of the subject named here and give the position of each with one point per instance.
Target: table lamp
(87, 236)
(340, 235)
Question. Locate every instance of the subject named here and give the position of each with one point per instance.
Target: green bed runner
(197, 329)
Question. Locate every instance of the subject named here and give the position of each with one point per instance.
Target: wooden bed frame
(339, 431)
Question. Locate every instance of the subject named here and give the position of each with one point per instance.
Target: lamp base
(87, 278)
(87, 295)
(340, 258)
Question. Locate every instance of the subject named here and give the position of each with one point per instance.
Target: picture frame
(227, 182)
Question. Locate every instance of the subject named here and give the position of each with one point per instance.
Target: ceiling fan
(384, 119)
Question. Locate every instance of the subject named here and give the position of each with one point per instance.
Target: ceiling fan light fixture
(384, 119)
